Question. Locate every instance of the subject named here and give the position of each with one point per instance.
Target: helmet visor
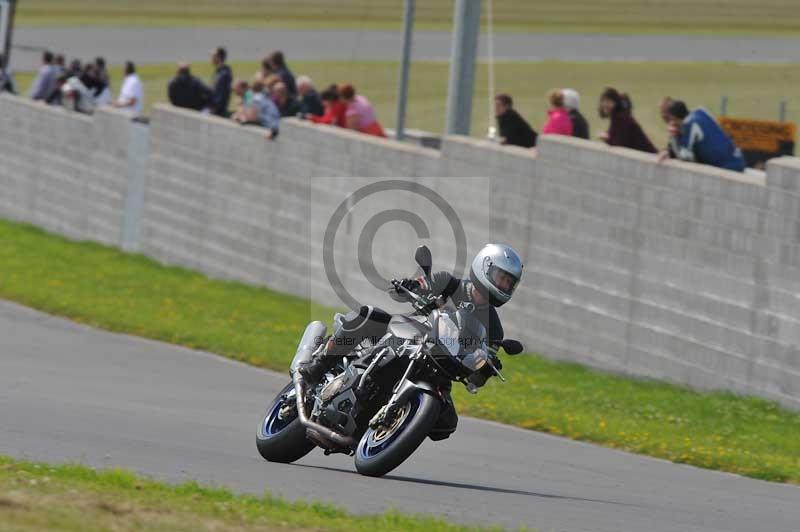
(502, 280)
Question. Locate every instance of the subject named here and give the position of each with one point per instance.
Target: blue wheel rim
(370, 447)
(273, 423)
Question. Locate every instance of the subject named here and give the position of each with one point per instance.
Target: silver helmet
(495, 272)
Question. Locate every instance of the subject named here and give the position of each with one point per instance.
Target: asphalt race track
(70, 393)
(170, 45)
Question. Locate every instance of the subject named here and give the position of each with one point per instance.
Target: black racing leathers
(458, 291)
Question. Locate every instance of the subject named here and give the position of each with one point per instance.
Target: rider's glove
(412, 285)
(429, 307)
(478, 378)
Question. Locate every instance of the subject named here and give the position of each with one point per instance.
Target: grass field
(768, 17)
(35, 497)
(105, 288)
(754, 91)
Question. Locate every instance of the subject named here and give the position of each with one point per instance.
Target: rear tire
(282, 440)
(378, 453)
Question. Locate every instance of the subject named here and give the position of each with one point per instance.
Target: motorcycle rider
(494, 274)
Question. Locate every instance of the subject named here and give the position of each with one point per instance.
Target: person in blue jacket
(695, 136)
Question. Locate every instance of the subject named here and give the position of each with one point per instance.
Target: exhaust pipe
(313, 336)
(325, 432)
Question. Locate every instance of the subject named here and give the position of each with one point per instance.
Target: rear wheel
(383, 449)
(281, 437)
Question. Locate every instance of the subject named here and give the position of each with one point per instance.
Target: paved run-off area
(70, 393)
(163, 45)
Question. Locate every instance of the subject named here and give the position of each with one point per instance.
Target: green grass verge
(105, 288)
(754, 91)
(36, 496)
(730, 17)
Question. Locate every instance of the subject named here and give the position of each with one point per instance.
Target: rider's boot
(313, 370)
(353, 328)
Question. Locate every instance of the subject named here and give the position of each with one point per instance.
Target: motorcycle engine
(332, 388)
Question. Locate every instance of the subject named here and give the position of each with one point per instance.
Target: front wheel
(281, 437)
(379, 451)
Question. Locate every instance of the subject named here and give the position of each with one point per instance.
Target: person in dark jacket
(221, 83)
(7, 83)
(278, 64)
(74, 69)
(310, 103)
(513, 129)
(624, 130)
(287, 105)
(102, 70)
(572, 101)
(187, 91)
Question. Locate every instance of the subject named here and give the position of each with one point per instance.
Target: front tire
(381, 451)
(282, 439)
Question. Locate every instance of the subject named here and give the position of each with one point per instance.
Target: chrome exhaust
(312, 338)
(325, 432)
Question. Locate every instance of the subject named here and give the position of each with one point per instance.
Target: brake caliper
(379, 418)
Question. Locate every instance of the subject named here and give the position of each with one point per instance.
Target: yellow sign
(758, 135)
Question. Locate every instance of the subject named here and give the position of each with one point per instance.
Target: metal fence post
(466, 26)
(402, 91)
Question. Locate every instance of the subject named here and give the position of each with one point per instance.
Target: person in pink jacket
(558, 121)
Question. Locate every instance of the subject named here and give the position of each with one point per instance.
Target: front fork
(402, 392)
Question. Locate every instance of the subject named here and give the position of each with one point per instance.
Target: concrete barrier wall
(63, 171)
(674, 271)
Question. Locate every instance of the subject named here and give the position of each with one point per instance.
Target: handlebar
(422, 304)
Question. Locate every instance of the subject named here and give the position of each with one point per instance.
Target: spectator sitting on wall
(514, 130)
(242, 90)
(60, 63)
(187, 91)
(624, 130)
(220, 83)
(335, 109)
(131, 95)
(360, 114)
(102, 71)
(45, 83)
(270, 82)
(310, 104)
(663, 106)
(262, 111)
(76, 96)
(572, 101)
(105, 97)
(7, 83)
(558, 122)
(265, 70)
(277, 62)
(75, 68)
(287, 105)
(90, 78)
(695, 136)
(57, 97)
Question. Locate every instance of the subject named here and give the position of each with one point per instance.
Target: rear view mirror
(424, 259)
(512, 347)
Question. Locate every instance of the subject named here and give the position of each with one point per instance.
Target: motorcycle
(381, 401)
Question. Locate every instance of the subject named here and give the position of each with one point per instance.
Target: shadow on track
(473, 487)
